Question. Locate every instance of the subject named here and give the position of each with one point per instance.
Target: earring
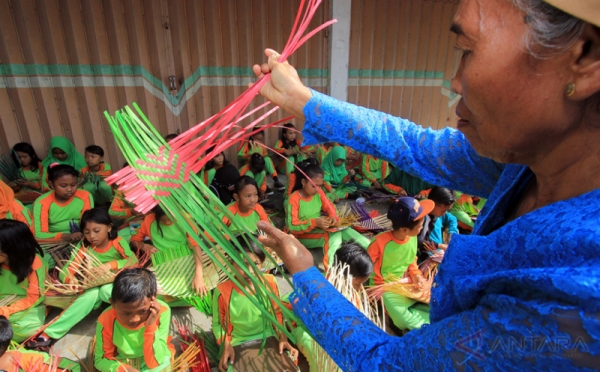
(570, 89)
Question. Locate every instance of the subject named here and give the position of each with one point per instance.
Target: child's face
(440, 209)
(3, 258)
(247, 198)
(259, 137)
(165, 220)
(357, 283)
(24, 158)
(132, 314)
(415, 231)
(311, 189)
(93, 160)
(64, 187)
(59, 154)
(218, 160)
(253, 258)
(96, 233)
(290, 134)
(339, 162)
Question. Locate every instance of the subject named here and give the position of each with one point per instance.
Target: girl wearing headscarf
(62, 151)
(337, 178)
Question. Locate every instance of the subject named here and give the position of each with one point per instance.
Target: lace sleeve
(511, 337)
(441, 157)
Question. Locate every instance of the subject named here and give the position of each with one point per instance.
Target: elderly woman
(522, 292)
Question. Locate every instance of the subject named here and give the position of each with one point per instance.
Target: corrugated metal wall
(64, 62)
(402, 59)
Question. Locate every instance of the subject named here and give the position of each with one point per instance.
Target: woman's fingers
(294, 255)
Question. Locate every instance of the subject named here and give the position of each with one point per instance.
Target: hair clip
(53, 165)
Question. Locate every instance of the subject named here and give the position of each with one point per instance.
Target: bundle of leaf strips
(9, 300)
(370, 221)
(166, 174)
(405, 287)
(200, 362)
(10, 171)
(347, 215)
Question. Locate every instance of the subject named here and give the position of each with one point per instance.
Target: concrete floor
(76, 344)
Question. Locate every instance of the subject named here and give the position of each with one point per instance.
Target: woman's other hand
(294, 255)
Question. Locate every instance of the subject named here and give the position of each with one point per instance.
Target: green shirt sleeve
(100, 361)
(131, 257)
(156, 348)
(217, 329)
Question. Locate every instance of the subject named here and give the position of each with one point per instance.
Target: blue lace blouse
(517, 295)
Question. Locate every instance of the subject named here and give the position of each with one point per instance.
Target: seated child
(401, 183)
(323, 150)
(25, 360)
(246, 210)
(336, 175)
(223, 183)
(290, 148)
(92, 177)
(466, 209)
(438, 220)
(134, 331)
(164, 234)
(62, 151)
(25, 157)
(22, 274)
(304, 220)
(394, 252)
(374, 170)
(236, 320)
(122, 212)
(254, 146)
(12, 209)
(57, 211)
(256, 170)
(113, 253)
(207, 174)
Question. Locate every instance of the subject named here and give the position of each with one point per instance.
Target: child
(62, 151)
(113, 253)
(256, 169)
(303, 211)
(236, 319)
(22, 274)
(164, 235)
(290, 148)
(466, 209)
(336, 175)
(374, 170)
(92, 177)
(21, 360)
(25, 157)
(12, 209)
(55, 212)
(207, 174)
(254, 146)
(323, 150)
(438, 220)
(222, 183)
(394, 253)
(135, 329)
(399, 182)
(246, 210)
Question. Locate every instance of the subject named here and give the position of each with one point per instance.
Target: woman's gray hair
(551, 30)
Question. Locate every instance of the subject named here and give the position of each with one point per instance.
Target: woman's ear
(585, 64)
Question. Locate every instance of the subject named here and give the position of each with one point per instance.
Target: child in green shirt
(256, 169)
(22, 274)
(133, 333)
(92, 177)
(62, 151)
(25, 157)
(254, 145)
(336, 174)
(246, 210)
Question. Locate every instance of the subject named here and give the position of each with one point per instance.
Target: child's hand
(227, 358)
(73, 237)
(154, 311)
(377, 185)
(129, 368)
(150, 249)
(322, 223)
(285, 345)
(352, 172)
(289, 152)
(198, 285)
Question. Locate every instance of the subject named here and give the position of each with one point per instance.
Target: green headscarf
(74, 159)
(335, 174)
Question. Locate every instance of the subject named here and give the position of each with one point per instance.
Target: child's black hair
(311, 170)
(285, 143)
(257, 163)
(59, 170)
(357, 259)
(29, 150)
(95, 149)
(171, 136)
(242, 182)
(19, 245)
(211, 163)
(442, 195)
(251, 138)
(99, 216)
(250, 246)
(6, 334)
(133, 285)
(158, 213)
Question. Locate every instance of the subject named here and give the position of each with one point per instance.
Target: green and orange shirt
(247, 220)
(103, 171)
(245, 150)
(30, 291)
(260, 178)
(374, 169)
(120, 208)
(52, 219)
(301, 212)
(392, 257)
(20, 213)
(164, 237)
(116, 343)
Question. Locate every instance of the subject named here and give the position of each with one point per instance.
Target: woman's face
(24, 158)
(513, 106)
(59, 154)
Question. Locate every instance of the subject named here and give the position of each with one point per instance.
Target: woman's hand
(294, 255)
(227, 358)
(285, 345)
(198, 285)
(284, 88)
